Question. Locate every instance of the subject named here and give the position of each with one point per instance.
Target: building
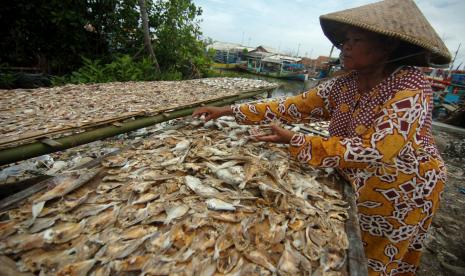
(228, 53)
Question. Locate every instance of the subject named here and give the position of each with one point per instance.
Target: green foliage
(7, 80)
(51, 35)
(124, 68)
(178, 47)
(170, 76)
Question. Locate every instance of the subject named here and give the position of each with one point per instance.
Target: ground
(445, 253)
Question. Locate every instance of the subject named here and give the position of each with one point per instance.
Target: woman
(380, 127)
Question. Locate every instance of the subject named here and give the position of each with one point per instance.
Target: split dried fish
(174, 212)
(66, 184)
(7, 228)
(77, 269)
(63, 232)
(260, 257)
(114, 161)
(42, 223)
(212, 208)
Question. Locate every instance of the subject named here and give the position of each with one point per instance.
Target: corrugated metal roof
(226, 46)
(280, 58)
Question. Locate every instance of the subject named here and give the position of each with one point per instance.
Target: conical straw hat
(399, 19)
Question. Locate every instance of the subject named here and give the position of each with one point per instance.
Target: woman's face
(363, 50)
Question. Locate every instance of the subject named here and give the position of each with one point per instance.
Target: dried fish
(42, 223)
(135, 263)
(137, 231)
(131, 215)
(91, 210)
(107, 186)
(71, 203)
(120, 177)
(122, 249)
(331, 192)
(223, 242)
(174, 212)
(227, 261)
(225, 173)
(37, 259)
(182, 146)
(114, 161)
(219, 205)
(195, 184)
(260, 257)
(159, 242)
(7, 228)
(77, 269)
(226, 216)
(9, 267)
(142, 187)
(332, 259)
(212, 208)
(21, 242)
(149, 196)
(63, 232)
(103, 220)
(204, 239)
(289, 261)
(66, 184)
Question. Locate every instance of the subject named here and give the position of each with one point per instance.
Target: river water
(286, 87)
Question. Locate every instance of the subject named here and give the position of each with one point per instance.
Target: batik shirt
(382, 143)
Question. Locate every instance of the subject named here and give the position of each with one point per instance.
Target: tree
(57, 34)
(147, 39)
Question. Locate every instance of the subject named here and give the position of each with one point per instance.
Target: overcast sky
(293, 25)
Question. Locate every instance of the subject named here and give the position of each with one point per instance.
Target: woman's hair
(406, 54)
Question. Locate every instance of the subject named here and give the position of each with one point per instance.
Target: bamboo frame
(35, 149)
(356, 260)
(32, 136)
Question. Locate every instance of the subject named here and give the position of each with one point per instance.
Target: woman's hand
(212, 112)
(278, 135)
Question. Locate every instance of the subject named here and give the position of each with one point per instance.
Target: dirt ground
(445, 246)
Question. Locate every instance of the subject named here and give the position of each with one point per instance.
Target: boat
(274, 65)
(449, 97)
(226, 66)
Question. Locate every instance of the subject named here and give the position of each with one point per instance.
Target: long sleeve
(395, 126)
(312, 105)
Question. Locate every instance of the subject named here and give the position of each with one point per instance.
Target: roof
(226, 46)
(280, 58)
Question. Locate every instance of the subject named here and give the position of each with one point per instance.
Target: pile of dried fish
(43, 110)
(198, 200)
(55, 163)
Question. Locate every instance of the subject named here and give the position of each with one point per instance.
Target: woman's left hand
(278, 135)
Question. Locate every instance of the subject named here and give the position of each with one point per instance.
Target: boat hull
(300, 76)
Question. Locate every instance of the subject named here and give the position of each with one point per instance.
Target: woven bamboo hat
(398, 19)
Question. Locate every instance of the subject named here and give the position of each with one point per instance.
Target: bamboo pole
(23, 152)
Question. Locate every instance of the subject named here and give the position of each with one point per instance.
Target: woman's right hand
(212, 112)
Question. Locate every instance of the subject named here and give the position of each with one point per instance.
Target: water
(286, 87)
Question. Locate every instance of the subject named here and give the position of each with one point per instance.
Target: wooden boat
(224, 65)
(274, 65)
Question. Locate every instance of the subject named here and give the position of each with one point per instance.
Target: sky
(292, 26)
